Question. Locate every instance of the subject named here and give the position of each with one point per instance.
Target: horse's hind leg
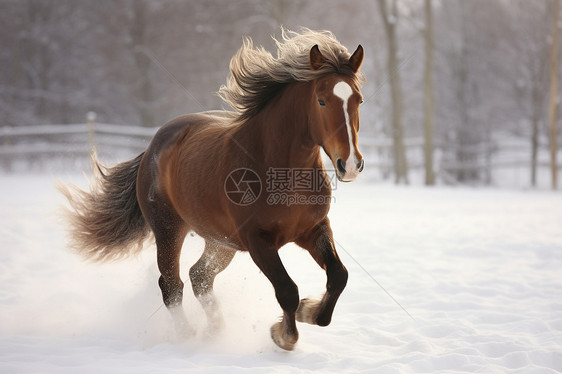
(202, 274)
(169, 241)
(169, 231)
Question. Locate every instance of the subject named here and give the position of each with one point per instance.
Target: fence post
(8, 159)
(91, 120)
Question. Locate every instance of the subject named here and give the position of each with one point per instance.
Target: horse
(204, 173)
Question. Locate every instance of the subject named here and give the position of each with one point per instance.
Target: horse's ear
(316, 58)
(356, 59)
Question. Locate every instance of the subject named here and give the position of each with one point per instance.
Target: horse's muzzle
(347, 172)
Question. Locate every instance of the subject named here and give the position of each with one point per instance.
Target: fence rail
(35, 146)
(70, 138)
(57, 145)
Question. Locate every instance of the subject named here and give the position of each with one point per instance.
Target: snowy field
(479, 270)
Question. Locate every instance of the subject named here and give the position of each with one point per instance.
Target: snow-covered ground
(479, 270)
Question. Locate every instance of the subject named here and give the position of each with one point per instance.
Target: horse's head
(334, 116)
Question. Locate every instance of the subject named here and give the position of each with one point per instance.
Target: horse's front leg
(320, 243)
(266, 257)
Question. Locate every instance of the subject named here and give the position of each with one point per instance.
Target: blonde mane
(256, 76)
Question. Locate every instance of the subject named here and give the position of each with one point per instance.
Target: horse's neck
(280, 131)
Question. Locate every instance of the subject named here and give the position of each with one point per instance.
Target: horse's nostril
(341, 165)
(361, 165)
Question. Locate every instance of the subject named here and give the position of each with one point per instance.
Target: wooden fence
(68, 146)
(56, 146)
(504, 160)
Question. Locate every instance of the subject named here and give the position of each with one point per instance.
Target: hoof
(308, 311)
(215, 320)
(185, 332)
(182, 327)
(283, 340)
(214, 328)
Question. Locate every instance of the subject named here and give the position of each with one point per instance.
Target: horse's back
(170, 132)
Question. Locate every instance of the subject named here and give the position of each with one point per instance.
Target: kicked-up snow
(478, 270)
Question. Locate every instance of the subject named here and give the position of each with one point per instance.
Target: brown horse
(207, 172)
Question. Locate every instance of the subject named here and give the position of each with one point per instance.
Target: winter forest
(457, 92)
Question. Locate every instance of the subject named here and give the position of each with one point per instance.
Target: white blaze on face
(344, 92)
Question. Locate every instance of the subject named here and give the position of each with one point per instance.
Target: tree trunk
(553, 104)
(400, 161)
(428, 96)
(535, 134)
(534, 152)
(145, 94)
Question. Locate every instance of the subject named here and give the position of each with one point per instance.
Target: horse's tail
(107, 223)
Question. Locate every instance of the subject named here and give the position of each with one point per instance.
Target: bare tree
(390, 19)
(428, 96)
(138, 32)
(471, 96)
(553, 105)
(38, 61)
(528, 49)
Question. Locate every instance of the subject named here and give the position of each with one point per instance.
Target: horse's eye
(362, 101)
(321, 102)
